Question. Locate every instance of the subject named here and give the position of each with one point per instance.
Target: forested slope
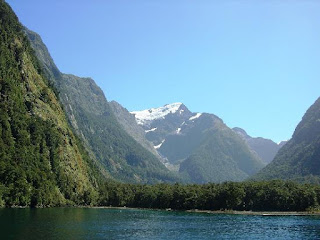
(42, 163)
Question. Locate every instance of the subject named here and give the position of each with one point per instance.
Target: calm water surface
(80, 223)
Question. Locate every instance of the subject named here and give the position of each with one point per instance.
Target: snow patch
(158, 146)
(148, 115)
(195, 116)
(151, 130)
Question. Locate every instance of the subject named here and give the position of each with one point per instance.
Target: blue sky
(254, 63)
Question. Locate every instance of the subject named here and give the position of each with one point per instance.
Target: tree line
(275, 195)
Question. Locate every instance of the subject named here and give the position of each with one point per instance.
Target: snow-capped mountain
(163, 121)
(200, 145)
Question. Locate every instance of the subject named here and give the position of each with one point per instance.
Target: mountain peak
(148, 115)
(173, 105)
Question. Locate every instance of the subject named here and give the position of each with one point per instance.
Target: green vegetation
(299, 158)
(42, 163)
(273, 195)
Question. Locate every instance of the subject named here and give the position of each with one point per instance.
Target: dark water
(69, 223)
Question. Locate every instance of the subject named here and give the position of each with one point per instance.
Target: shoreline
(256, 213)
(226, 212)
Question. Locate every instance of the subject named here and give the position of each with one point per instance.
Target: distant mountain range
(136, 148)
(200, 146)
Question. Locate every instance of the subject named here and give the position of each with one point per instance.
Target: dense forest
(275, 195)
